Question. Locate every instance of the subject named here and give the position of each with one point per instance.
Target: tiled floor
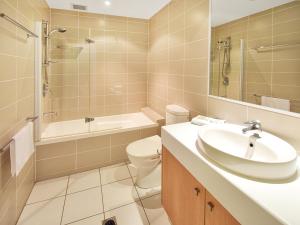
(88, 198)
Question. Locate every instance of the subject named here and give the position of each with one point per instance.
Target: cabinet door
(183, 196)
(194, 200)
(216, 214)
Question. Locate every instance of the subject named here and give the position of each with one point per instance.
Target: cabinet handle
(197, 191)
(211, 206)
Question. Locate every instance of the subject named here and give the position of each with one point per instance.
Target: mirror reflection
(255, 52)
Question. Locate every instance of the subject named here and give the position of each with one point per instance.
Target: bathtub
(69, 147)
(74, 129)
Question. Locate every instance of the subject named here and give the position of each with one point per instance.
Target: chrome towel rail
(29, 33)
(5, 147)
(274, 47)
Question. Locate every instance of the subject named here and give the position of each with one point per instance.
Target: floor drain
(110, 221)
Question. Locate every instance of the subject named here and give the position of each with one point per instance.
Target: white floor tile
(83, 181)
(48, 189)
(132, 214)
(94, 220)
(132, 169)
(114, 173)
(82, 204)
(155, 212)
(43, 213)
(148, 192)
(118, 194)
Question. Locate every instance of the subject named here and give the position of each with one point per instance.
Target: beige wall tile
(288, 27)
(287, 66)
(8, 203)
(8, 117)
(96, 158)
(8, 67)
(55, 150)
(91, 21)
(150, 132)
(17, 79)
(8, 31)
(5, 166)
(196, 85)
(94, 143)
(140, 27)
(25, 189)
(124, 138)
(55, 166)
(232, 112)
(26, 173)
(10, 90)
(64, 20)
(119, 154)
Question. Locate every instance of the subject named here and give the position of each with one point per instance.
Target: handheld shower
(59, 29)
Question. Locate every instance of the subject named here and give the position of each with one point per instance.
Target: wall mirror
(255, 52)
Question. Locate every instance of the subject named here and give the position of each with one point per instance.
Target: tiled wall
(270, 73)
(285, 126)
(102, 78)
(16, 98)
(178, 49)
(68, 157)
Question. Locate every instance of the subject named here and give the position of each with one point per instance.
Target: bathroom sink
(256, 153)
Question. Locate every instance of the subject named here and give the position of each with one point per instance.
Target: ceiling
(143, 9)
(224, 11)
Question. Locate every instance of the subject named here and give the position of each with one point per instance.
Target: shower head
(59, 29)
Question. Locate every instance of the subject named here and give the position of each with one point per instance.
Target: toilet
(145, 154)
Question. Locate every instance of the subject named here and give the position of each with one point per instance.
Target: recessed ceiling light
(107, 2)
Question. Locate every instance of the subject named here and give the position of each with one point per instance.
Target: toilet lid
(146, 147)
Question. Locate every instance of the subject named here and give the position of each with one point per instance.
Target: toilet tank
(176, 114)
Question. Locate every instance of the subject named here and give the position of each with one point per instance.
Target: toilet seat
(145, 148)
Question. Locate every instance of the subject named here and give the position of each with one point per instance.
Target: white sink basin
(266, 157)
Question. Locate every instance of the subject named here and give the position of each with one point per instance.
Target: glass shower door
(69, 86)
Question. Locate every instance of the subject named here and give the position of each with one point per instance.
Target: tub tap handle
(88, 119)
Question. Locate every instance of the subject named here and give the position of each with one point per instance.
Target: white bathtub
(74, 129)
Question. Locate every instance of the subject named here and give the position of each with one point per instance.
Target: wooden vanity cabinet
(185, 200)
(183, 196)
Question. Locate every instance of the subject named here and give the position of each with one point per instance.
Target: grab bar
(5, 147)
(29, 33)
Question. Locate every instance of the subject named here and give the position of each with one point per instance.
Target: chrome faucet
(253, 125)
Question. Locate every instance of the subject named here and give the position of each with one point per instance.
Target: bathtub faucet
(89, 119)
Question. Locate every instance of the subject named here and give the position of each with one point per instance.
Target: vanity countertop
(251, 202)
